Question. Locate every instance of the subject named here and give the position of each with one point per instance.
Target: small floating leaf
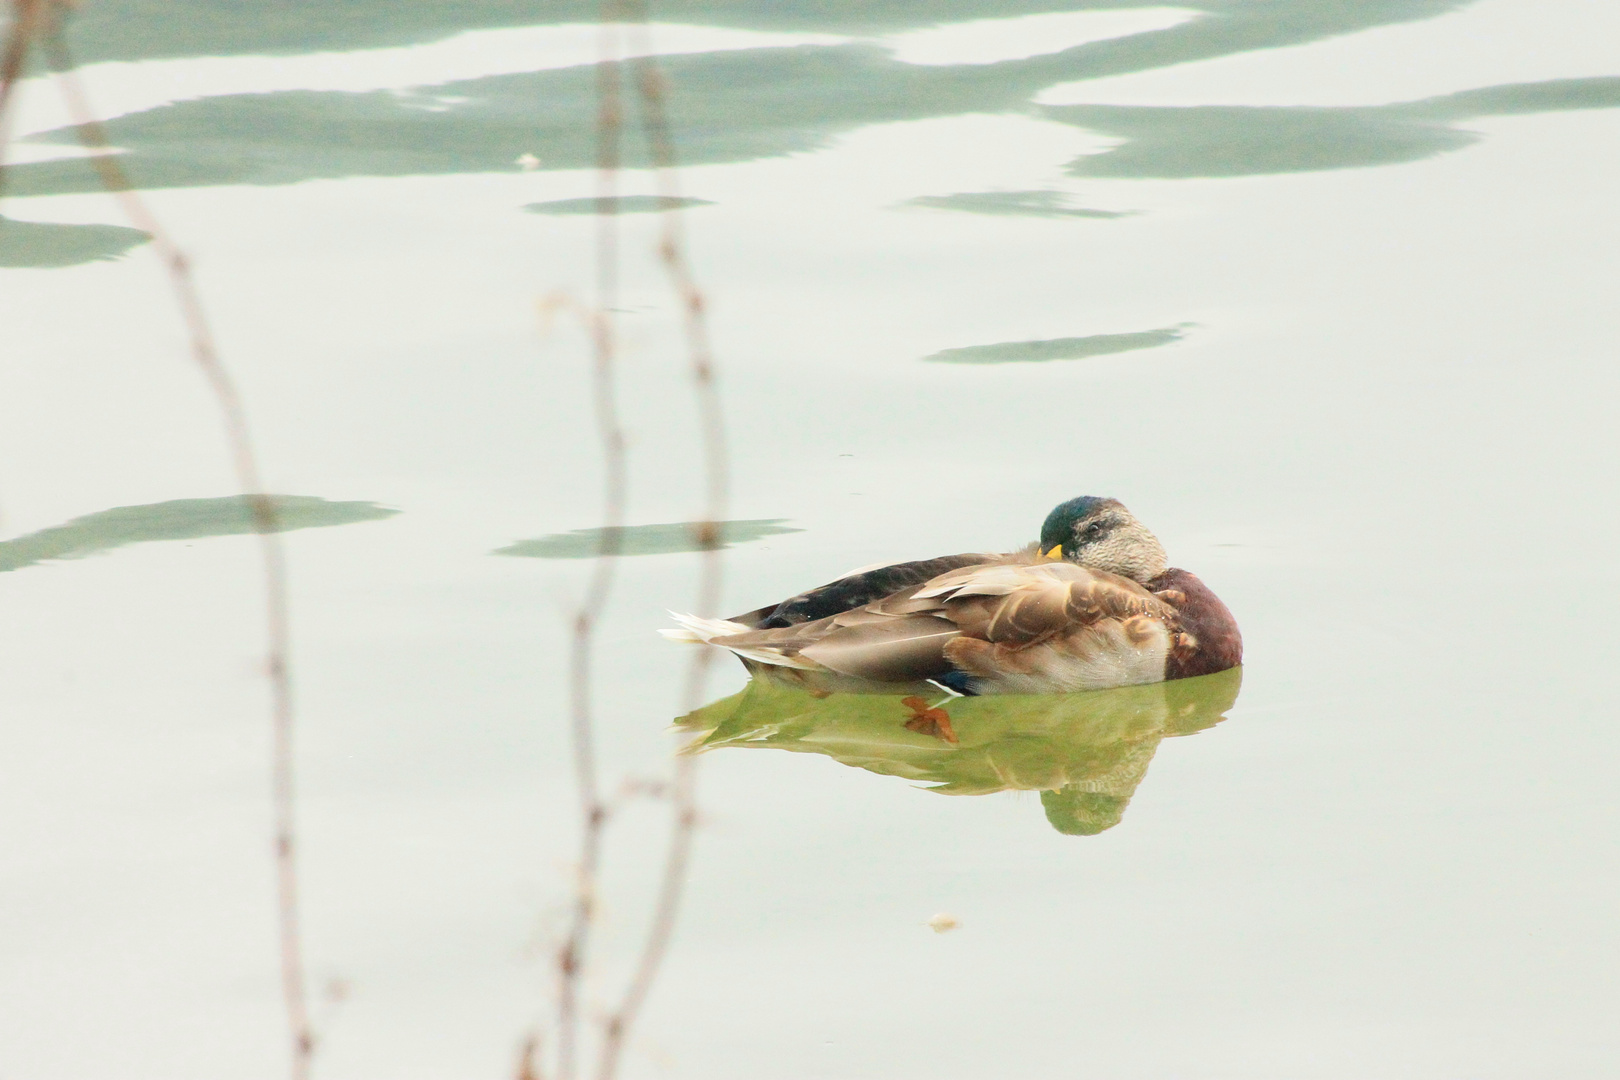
(178, 519)
(1043, 204)
(1075, 348)
(615, 204)
(44, 244)
(935, 722)
(662, 539)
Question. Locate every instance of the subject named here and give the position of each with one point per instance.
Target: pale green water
(1323, 291)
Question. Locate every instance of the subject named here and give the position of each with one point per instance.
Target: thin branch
(650, 87)
(529, 1059)
(26, 16)
(572, 958)
(27, 19)
(206, 353)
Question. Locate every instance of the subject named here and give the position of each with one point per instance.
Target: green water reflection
(665, 538)
(1225, 140)
(46, 244)
(748, 104)
(617, 204)
(178, 519)
(1075, 348)
(145, 29)
(1085, 753)
(1041, 204)
(741, 106)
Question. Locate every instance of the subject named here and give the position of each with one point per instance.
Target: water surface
(1376, 242)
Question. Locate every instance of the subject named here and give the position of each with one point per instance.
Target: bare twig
(594, 813)
(595, 809)
(650, 87)
(27, 19)
(529, 1059)
(205, 352)
(26, 16)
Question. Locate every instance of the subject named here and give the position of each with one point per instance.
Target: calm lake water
(1323, 291)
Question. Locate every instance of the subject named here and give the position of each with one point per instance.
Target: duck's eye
(1093, 529)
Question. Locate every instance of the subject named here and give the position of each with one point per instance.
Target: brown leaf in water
(935, 722)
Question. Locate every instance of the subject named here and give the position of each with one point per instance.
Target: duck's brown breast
(1208, 638)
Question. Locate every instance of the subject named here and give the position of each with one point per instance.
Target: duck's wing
(857, 589)
(1040, 629)
(902, 637)
(895, 639)
(1020, 603)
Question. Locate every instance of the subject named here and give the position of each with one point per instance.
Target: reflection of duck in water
(1095, 605)
(1085, 753)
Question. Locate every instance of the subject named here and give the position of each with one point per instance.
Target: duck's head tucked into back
(1102, 534)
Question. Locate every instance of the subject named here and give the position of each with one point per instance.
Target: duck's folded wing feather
(861, 643)
(905, 649)
(902, 637)
(1012, 604)
(996, 579)
(858, 589)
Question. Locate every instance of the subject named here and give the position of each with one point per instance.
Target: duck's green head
(1102, 534)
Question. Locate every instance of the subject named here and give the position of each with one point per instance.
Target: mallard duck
(1093, 605)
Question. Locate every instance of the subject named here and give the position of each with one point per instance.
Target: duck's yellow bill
(1056, 552)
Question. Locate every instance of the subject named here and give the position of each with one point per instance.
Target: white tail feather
(698, 630)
